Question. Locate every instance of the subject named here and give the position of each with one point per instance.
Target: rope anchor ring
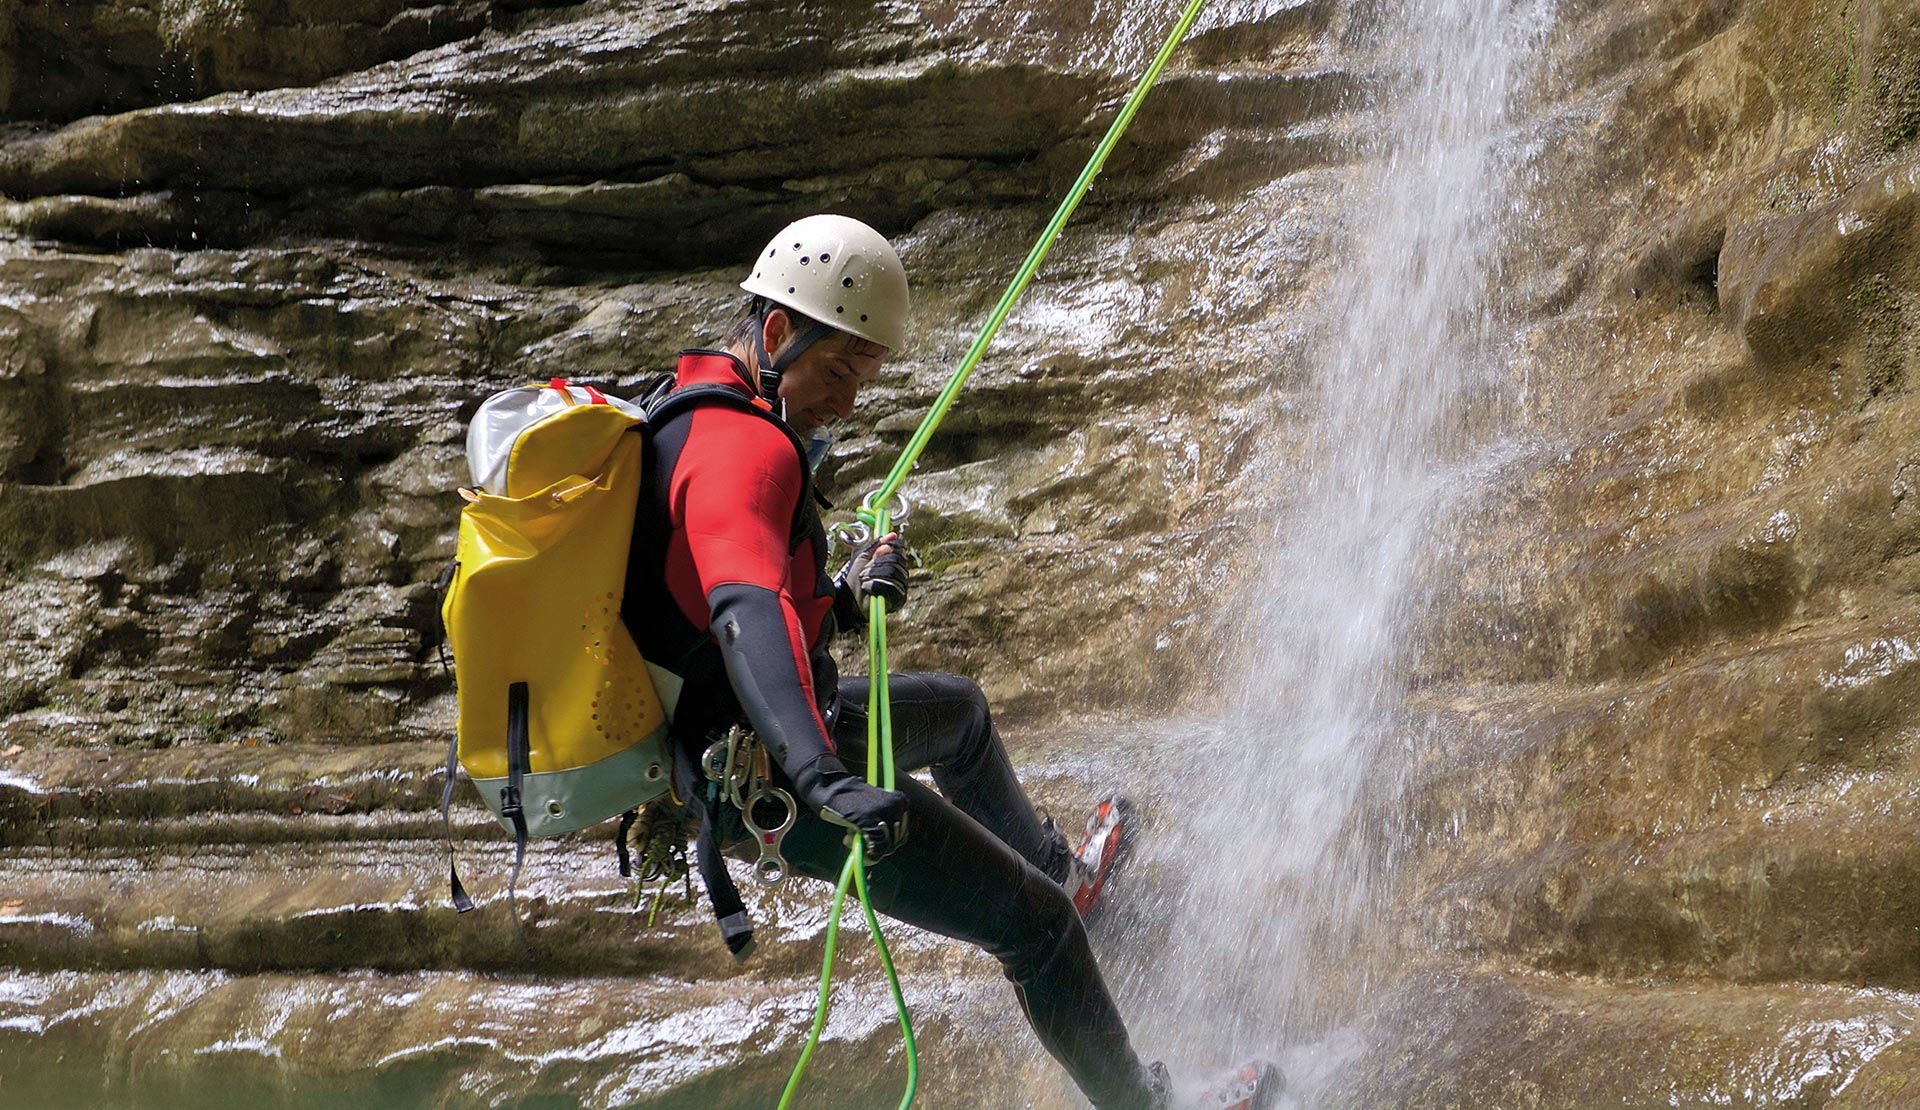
(869, 513)
(855, 535)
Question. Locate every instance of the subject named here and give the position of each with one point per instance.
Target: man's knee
(970, 701)
(1048, 931)
(975, 723)
(955, 706)
(979, 715)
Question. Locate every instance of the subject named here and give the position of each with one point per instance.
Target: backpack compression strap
(519, 754)
(519, 743)
(461, 902)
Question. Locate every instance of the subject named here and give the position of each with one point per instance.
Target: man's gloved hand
(879, 816)
(878, 569)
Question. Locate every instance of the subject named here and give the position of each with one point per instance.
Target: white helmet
(838, 271)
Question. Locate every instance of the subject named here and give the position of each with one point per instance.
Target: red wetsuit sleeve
(735, 490)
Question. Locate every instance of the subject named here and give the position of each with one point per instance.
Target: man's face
(822, 384)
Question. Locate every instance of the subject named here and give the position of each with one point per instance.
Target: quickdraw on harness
(877, 514)
(663, 853)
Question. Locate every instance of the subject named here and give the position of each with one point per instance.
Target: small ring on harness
(729, 763)
(713, 763)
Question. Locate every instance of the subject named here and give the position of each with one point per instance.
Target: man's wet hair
(749, 322)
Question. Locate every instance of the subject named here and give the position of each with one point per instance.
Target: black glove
(885, 576)
(879, 816)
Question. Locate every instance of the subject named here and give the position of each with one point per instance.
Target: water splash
(1292, 836)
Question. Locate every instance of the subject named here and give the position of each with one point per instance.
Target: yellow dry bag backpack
(562, 724)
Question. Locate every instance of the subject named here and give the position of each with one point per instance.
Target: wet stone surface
(258, 260)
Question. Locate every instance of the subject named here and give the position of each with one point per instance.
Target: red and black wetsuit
(727, 522)
(727, 586)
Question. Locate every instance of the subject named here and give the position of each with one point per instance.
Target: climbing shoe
(1159, 1087)
(1100, 849)
(1252, 1086)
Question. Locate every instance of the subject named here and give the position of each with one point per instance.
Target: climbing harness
(877, 513)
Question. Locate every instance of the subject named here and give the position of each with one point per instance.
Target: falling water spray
(1289, 851)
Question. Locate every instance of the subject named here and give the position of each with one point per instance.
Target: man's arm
(737, 486)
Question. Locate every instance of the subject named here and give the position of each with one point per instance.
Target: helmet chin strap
(771, 370)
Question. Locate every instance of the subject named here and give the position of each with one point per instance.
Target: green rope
(880, 738)
(898, 476)
(893, 985)
(826, 976)
(877, 514)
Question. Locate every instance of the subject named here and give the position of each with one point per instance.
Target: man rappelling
(727, 587)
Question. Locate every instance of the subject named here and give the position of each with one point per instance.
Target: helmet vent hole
(824, 257)
(804, 260)
(789, 288)
(839, 308)
(773, 252)
(863, 317)
(796, 246)
(846, 282)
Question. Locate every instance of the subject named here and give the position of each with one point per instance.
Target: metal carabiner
(771, 867)
(853, 536)
(715, 761)
(725, 764)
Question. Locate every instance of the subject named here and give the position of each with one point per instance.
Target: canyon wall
(260, 258)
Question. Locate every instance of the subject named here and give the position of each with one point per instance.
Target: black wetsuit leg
(941, 723)
(955, 878)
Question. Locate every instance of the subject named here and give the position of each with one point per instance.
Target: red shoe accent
(1254, 1087)
(1099, 850)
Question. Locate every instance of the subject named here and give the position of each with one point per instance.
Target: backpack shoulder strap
(662, 407)
(650, 390)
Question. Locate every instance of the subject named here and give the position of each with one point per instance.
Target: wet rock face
(247, 397)
(262, 257)
(1677, 679)
(249, 297)
(244, 328)
(70, 59)
(590, 135)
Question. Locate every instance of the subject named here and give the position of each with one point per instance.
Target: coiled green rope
(876, 513)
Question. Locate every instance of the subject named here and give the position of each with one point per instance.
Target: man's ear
(776, 330)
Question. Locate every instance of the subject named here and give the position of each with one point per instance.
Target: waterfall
(1287, 836)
